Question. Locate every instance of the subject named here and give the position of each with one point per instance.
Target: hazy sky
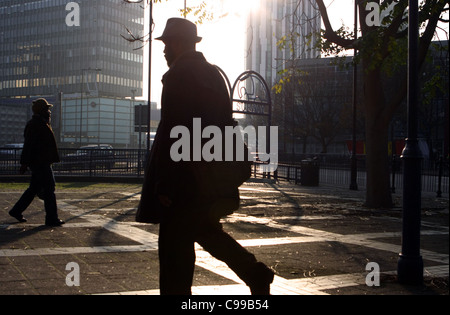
(223, 41)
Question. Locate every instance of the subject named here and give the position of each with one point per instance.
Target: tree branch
(330, 34)
(424, 44)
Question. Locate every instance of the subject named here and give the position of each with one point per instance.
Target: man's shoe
(261, 286)
(18, 217)
(56, 222)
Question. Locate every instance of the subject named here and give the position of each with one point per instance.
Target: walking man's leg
(26, 198)
(48, 195)
(223, 247)
(176, 258)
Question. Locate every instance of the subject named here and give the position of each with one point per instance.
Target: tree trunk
(378, 193)
(378, 112)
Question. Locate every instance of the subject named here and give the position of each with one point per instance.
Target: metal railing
(335, 170)
(332, 169)
(92, 162)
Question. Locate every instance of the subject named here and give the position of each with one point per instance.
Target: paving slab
(318, 240)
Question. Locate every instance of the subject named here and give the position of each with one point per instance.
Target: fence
(335, 170)
(85, 162)
(332, 170)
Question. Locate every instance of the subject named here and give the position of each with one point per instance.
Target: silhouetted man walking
(39, 153)
(192, 88)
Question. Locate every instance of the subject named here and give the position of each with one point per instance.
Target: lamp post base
(410, 269)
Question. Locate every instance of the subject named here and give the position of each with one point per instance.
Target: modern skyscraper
(52, 46)
(294, 21)
(60, 49)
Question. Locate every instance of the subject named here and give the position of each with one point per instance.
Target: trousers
(177, 237)
(43, 184)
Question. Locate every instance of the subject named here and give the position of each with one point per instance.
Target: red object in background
(360, 147)
(399, 146)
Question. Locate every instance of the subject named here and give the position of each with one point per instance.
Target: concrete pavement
(319, 240)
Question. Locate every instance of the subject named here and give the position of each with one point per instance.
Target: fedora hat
(180, 28)
(39, 105)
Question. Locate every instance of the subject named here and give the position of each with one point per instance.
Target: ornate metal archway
(250, 95)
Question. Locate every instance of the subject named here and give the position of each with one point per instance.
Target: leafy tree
(382, 52)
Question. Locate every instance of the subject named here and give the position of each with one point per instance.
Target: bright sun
(223, 41)
(224, 37)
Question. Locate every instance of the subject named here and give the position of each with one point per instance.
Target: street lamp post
(81, 106)
(353, 175)
(410, 263)
(149, 115)
(140, 138)
(81, 100)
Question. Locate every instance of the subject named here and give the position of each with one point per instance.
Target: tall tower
(294, 21)
(70, 49)
(53, 46)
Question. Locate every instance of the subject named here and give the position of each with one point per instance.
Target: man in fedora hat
(38, 154)
(192, 88)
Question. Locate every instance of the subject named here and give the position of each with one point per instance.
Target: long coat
(39, 146)
(192, 88)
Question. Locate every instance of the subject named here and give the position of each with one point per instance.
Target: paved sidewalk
(319, 241)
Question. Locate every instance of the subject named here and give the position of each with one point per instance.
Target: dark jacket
(39, 146)
(192, 88)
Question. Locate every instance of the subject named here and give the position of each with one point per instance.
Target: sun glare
(223, 41)
(239, 8)
(224, 37)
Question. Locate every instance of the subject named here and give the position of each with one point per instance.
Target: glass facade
(274, 20)
(103, 121)
(42, 52)
(73, 50)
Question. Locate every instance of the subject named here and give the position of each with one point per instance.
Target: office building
(273, 21)
(43, 52)
(105, 121)
(71, 48)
